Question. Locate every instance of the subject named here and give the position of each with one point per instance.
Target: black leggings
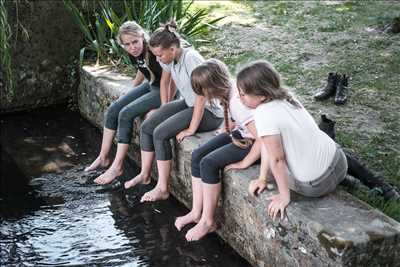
(209, 159)
(354, 167)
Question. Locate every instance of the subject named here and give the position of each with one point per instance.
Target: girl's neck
(178, 54)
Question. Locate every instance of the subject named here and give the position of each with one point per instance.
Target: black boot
(329, 89)
(327, 126)
(342, 89)
(390, 192)
(372, 181)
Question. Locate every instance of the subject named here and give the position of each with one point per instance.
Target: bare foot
(108, 176)
(154, 195)
(191, 217)
(138, 179)
(98, 162)
(200, 230)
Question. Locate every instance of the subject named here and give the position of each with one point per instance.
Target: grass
(306, 40)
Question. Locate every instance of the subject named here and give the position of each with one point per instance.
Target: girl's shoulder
(191, 53)
(272, 106)
(150, 53)
(235, 104)
(234, 92)
(152, 58)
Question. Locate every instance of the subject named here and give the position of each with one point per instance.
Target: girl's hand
(220, 131)
(180, 136)
(235, 166)
(256, 187)
(278, 204)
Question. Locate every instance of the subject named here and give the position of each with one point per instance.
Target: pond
(51, 213)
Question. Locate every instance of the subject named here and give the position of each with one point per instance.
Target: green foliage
(94, 32)
(5, 49)
(372, 197)
(100, 23)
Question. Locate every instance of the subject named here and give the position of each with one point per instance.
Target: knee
(147, 127)
(160, 133)
(208, 163)
(126, 116)
(196, 156)
(112, 111)
(209, 170)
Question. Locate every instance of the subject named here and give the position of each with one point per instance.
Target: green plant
(100, 24)
(151, 13)
(5, 49)
(94, 32)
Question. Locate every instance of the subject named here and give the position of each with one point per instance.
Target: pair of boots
(336, 85)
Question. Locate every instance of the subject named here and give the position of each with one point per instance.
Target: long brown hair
(212, 80)
(166, 36)
(261, 79)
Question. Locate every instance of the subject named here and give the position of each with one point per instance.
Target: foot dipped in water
(138, 179)
(200, 230)
(191, 217)
(98, 162)
(154, 195)
(108, 176)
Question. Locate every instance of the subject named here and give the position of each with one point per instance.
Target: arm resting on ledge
(198, 111)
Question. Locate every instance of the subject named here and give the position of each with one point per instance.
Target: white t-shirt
(241, 114)
(180, 73)
(308, 150)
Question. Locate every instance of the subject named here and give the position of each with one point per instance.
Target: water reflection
(52, 216)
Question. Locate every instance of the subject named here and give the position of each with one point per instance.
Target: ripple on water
(58, 219)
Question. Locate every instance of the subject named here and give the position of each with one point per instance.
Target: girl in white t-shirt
(299, 155)
(231, 149)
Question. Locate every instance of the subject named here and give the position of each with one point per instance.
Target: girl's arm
(256, 186)
(165, 86)
(198, 112)
(138, 79)
(254, 153)
(277, 162)
(172, 90)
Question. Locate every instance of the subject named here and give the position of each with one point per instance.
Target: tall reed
(5, 51)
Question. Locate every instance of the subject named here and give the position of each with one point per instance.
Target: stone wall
(45, 44)
(336, 230)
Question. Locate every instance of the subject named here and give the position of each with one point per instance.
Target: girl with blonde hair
(148, 92)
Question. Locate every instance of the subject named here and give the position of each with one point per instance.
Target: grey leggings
(212, 157)
(136, 102)
(167, 122)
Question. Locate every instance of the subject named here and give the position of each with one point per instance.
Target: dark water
(51, 214)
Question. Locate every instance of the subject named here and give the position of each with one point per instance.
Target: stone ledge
(336, 230)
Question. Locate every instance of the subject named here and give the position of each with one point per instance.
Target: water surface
(52, 214)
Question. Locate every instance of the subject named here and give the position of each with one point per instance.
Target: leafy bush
(100, 23)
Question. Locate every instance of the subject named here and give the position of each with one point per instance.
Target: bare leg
(207, 223)
(144, 175)
(160, 192)
(103, 160)
(195, 214)
(116, 167)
